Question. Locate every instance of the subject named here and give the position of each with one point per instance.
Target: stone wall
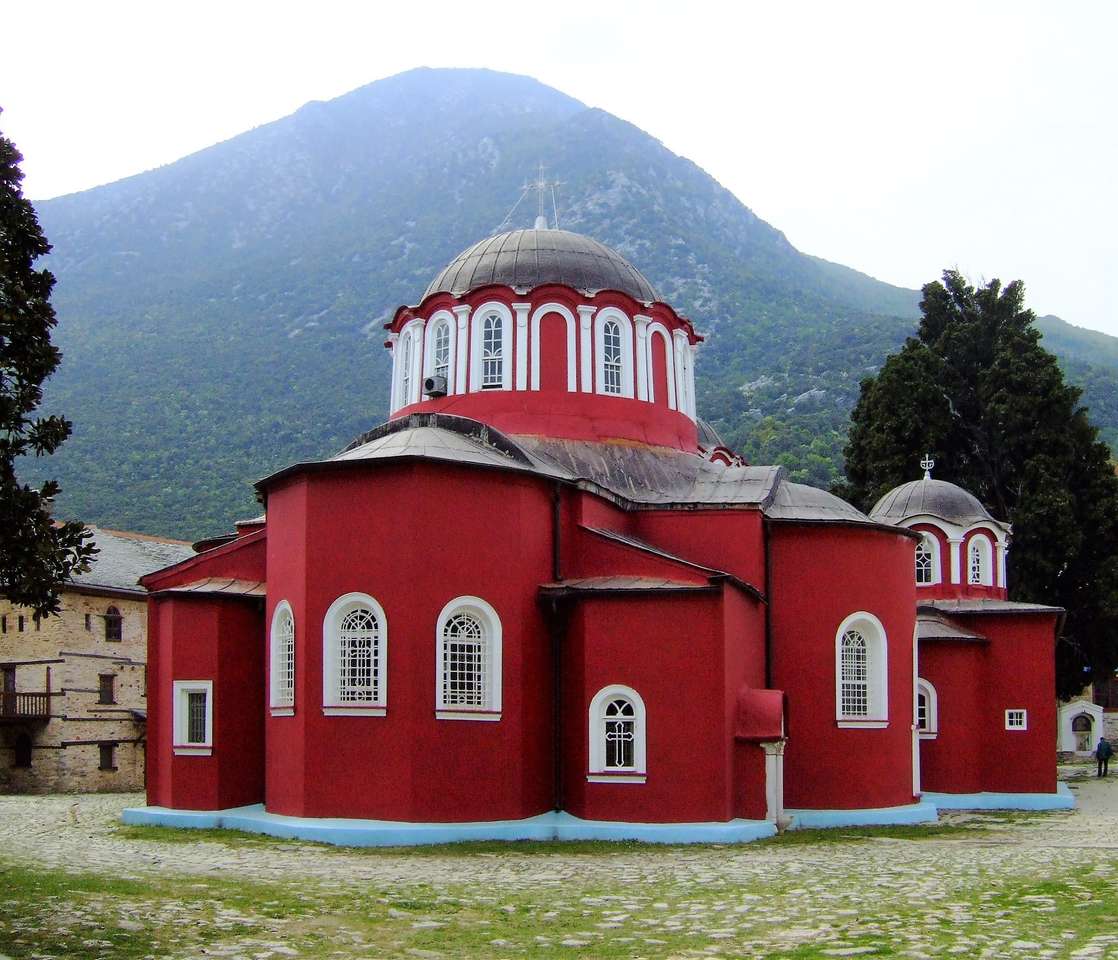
(66, 754)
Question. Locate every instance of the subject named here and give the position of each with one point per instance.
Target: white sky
(897, 138)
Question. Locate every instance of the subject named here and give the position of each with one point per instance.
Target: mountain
(221, 317)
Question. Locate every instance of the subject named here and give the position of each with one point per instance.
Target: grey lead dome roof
(937, 498)
(527, 258)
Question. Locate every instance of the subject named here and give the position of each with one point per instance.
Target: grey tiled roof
(931, 625)
(524, 259)
(986, 606)
(936, 498)
(125, 557)
(797, 501)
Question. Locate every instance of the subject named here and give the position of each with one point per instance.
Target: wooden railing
(24, 706)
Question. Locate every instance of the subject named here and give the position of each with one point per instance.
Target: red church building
(544, 600)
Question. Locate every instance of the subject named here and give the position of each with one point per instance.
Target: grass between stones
(797, 897)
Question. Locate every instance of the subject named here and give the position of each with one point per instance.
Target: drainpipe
(556, 533)
(767, 547)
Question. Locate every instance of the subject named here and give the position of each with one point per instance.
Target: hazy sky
(897, 138)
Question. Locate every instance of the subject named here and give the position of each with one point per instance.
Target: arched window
(618, 748)
(114, 624)
(282, 650)
(405, 369)
(861, 689)
(924, 559)
(354, 657)
(440, 360)
(468, 661)
(927, 709)
(611, 357)
(22, 750)
(980, 561)
(492, 354)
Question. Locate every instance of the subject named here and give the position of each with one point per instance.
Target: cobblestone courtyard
(75, 883)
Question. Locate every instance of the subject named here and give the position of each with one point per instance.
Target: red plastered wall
(958, 670)
(820, 575)
(414, 537)
(728, 540)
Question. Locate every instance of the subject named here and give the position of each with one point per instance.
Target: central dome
(524, 259)
(937, 498)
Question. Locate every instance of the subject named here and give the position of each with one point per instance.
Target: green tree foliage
(35, 554)
(975, 389)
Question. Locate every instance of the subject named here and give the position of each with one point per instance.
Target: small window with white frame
(282, 649)
(618, 737)
(1016, 719)
(980, 561)
(468, 661)
(927, 560)
(355, 657)
(861, 674)
(192, 723)
(927, 710)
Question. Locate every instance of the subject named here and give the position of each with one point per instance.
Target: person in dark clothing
(1103, 753)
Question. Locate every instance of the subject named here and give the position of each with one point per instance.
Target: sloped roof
(125, 557)
(932, 625)
(936, 498)
(987, 606)
(797, 501)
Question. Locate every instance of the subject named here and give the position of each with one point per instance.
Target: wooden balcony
(24, 706)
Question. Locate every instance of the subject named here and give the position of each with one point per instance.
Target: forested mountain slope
(221, 316)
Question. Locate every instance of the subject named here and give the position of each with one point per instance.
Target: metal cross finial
(926, 465)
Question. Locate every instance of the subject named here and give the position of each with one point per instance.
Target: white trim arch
(441, 319)
(491, 308)
(625, 331)
(468, 661)
(355, 666)
(619, 764)
(281, 661)
(980, 560)
(572, 352)
(408, 365)
(669, 363)
(861, 672)
(930, 728)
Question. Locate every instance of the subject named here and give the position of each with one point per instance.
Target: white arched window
(491, 347)
(927, 709)
(440, 336)
(468, 661)
(861, 687)
(282, 659)
(618, 746)
(613, 345)
(980, 561)
(927, 559)
(354, 657)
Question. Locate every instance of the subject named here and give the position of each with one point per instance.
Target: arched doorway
(1083, 727)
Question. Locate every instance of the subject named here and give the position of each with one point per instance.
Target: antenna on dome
(542, 186)
(926, 464)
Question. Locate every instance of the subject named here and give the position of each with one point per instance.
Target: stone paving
(841, 899)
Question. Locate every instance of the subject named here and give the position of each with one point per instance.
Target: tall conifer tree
(976, 390)
(35, 554)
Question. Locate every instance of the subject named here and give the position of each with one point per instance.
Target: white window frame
(281, 700)
(332, 705)
(625, 329)
(657, 329)
(1016, 719)
(980, 543)
(931, 728)
(931, 542)
(180, 699)
(877, 672)
(492, 635)
(477, 327)
(598, 772)
(438, 320)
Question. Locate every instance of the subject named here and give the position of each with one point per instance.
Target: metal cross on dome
(926, 465)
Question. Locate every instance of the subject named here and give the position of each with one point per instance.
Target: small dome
(527, 258)
(936, 498)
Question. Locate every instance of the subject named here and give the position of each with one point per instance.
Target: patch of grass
(230, 838)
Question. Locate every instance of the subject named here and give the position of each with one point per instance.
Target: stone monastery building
(544, 600)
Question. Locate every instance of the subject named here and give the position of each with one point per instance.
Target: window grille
(922, 711)
(465, 662)
(611, 357)
(441, 366)
(405, 370)
(923, 563)
(284, 663)
(492, 360)
(977, 565)
(114, 624)
(855, 701)
(1015, 720)
(358, 660)
(196, 716)
(619, 722)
